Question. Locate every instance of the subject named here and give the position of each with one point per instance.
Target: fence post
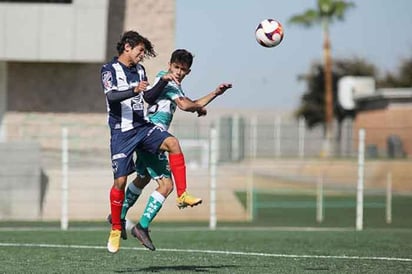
(3, 99)
(64, 221)
(389, 198)
(212, 170)
(301, 129)
(236, 154)
(277, 136)
(253, 137)
(250, 201)
(360, 185)
(319, 199)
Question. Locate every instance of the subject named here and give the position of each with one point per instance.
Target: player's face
(135, 54)
(179, 70)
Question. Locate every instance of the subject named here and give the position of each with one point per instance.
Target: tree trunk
(327, 59)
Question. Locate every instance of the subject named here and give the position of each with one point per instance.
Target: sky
(220, 33)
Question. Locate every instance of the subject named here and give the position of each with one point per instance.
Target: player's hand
(222, 88)
(201, 112)
(142, 86)
(170, 77)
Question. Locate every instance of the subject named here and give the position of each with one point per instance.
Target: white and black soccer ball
(269, 33)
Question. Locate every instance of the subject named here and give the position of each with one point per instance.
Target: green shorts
(156, 165)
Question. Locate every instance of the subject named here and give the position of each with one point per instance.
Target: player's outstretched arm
(187, 104)
(205, 100)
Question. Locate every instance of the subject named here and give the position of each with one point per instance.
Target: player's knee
(165, 186)
(169, 188)
(141, 181)
(171, 144)
(168, 184)
(120, 182)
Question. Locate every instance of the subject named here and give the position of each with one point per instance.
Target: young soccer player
(125, 85)
(156, 166)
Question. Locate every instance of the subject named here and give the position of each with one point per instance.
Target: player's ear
(127, 47)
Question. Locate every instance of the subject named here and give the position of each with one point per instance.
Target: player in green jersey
(157, 166)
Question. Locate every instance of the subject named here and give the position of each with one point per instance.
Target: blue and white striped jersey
(129, 113)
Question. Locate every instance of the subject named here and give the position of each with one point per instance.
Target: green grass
(282, 239)
(196, 250)
(339, 210)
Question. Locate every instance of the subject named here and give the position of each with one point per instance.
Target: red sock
(116, 203)
(178, 168)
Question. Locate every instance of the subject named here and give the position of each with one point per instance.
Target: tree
(401, 79)
(312, 106)
(327, 11)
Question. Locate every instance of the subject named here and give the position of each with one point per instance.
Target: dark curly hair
(182, 56)
(133, 38)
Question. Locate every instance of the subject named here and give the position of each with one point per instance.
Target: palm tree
(326, 12)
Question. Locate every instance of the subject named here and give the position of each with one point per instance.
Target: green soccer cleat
(187, 200)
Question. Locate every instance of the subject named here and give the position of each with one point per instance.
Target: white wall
(47, 32)
(3, 99)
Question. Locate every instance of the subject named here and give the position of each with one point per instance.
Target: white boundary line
(294, 256)
(221, 228)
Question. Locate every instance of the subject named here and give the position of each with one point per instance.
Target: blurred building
(51, 51)
(385, 114)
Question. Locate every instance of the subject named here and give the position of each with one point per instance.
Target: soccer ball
(269, 33)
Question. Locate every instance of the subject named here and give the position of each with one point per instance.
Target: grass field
(339, 210)
(280, 240)
(226, 250)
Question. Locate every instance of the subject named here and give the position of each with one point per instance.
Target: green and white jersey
(161, 113)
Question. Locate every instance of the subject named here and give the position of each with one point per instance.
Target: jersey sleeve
(108, 79)
(173, 91)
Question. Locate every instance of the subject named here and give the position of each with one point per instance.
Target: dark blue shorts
(147, 137)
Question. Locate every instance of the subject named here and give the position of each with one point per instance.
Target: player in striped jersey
(125, 85)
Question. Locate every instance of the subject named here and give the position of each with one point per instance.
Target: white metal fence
(221, 155)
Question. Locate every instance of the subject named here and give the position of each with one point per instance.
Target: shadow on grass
(183, 268)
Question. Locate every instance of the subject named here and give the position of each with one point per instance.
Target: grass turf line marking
(294, 256)
(219, 228)
(280, 228)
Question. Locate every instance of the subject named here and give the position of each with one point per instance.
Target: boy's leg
(133, 192)
(159, 139)
(154, 204)
(130, 198)
(122, 146)
(116, 201)
(178, 168)
(140, 230)
(148, 166)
